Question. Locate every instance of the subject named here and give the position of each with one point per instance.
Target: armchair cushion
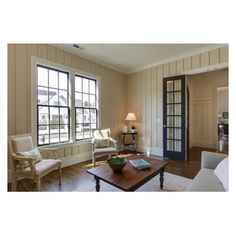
(22, 144)
(34, 154)
(42, 167)
(103, 133)
(109, 150)
(101, 143)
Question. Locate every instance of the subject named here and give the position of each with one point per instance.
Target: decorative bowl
(117, 163)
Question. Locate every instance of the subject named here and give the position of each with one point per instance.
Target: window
(85, 107)
(53, 112)
(67, 105)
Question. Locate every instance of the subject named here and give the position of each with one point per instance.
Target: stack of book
(140, 164)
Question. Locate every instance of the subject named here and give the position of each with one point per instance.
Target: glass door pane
(178, 121)
(178, 146)
(170, 145)
(177, 97)
(177, 85)
(170, 133)
(170, 86)
(170, 110)
(177, 133)
(170, 121)
(177, 109)
(170, 98)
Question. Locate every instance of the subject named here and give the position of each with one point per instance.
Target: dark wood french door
(174, 134)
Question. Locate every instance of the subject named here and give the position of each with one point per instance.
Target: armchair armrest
(93, 143)
(30, 160)
(20, 158)
(113, 141)
(211, 159)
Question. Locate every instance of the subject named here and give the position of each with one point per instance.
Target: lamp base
(130, 129)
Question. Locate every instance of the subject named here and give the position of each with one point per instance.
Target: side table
(132, 143)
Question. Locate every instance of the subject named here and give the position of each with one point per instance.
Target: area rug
(172, 183)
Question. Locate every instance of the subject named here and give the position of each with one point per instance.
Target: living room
(137, 90)
(31, 31)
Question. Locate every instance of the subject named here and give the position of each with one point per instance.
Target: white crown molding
(206, 68)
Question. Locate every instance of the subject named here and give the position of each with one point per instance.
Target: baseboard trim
(201, 144)
(76, 159)
(151, 150)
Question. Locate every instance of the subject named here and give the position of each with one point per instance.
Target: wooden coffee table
(130, 178)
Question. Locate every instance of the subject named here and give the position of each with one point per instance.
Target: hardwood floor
(188, 168)
(75, 176)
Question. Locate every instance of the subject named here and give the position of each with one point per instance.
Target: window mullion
(71, 86)
(82, 96)
(49, 124)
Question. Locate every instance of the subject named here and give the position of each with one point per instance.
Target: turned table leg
(97, 183)
(162, 178)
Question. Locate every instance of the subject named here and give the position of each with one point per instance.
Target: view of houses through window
(53, 109)
(85, 107)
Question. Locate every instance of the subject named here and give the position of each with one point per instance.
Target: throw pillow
(101, 143)
(34, 154)
(221, 171)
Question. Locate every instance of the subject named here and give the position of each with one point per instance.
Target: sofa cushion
(221, 171)
(205, 181)
(211, 159)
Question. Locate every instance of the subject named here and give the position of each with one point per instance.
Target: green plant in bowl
(117, 163)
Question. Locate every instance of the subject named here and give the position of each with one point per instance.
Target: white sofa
(213, 176)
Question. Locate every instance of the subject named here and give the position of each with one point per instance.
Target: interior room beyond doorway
(204, 112)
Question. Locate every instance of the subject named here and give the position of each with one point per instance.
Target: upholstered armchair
(26, 162)
(103, 144)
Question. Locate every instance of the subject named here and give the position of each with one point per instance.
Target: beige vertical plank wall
(113, 90)
(21, 101)
(12, 87)
(147, 103)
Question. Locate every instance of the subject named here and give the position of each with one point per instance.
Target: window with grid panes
(85, 107)
(53, 112)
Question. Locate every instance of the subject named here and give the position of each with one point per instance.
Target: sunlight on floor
(98, 163)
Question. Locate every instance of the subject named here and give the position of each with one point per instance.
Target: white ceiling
(129, 58)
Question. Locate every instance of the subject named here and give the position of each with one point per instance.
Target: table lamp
(130, 117)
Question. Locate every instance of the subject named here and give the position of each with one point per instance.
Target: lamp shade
(130, 117)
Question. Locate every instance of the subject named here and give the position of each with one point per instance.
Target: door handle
(164, 126)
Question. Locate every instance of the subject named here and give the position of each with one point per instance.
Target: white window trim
(72, 72)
